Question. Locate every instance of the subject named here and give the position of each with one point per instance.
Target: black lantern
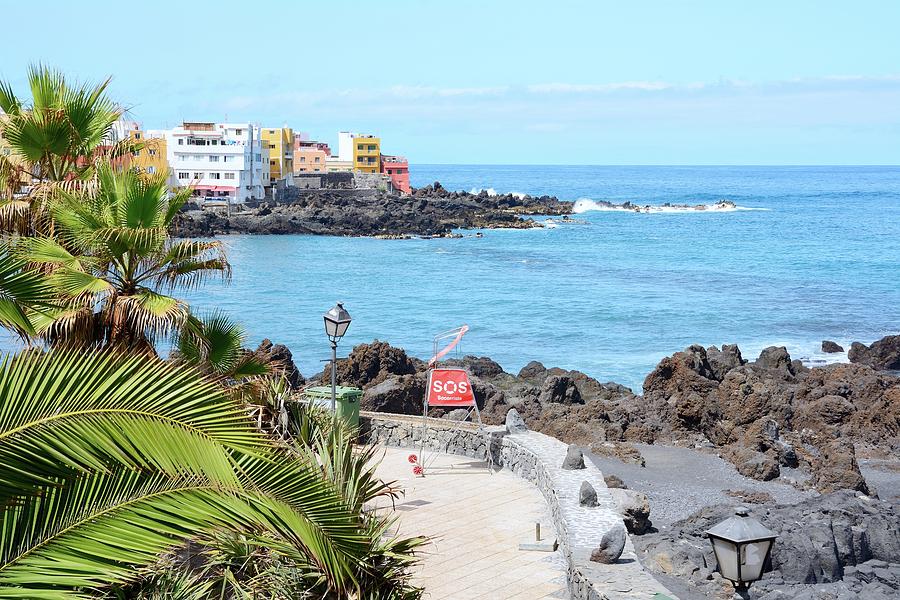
(742, 546)
(337, 320)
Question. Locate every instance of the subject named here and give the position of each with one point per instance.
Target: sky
(497, 82)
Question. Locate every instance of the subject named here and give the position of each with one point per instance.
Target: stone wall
(537, 458)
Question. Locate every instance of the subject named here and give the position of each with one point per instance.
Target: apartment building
(224, 162)
(280, 143)
(366, 154)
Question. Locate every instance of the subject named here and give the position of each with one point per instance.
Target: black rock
(574, 459)
(776, 358)
(587, 495)
(830, 347)
(611, 546)
(883, 354)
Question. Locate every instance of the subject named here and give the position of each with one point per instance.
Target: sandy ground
(681, 481)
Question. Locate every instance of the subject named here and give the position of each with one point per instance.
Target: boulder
(836, 468)
(883, 355)
(370, 364)
(574, 459)
(830, 347)
(534, 372)
(612, 543)
(775, 358)
(634, 508)
(279, 357)
(614, 481)
(402, 394)
(587, 495)
(560, 389)
(514, 422)
(457, 414)
(724, 360)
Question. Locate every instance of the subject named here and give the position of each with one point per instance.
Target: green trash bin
(346, 401)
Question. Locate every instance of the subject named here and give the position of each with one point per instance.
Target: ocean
(809, 253)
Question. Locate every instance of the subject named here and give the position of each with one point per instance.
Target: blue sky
(594, 82)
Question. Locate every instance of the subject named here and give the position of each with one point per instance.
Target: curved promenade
(537, 459)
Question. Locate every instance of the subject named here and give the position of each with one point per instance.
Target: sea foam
(583, 205)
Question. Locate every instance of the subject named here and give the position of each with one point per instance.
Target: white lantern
(337, 320)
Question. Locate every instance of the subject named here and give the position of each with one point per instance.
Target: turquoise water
(817, 260)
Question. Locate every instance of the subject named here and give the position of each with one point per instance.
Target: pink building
(397, 169)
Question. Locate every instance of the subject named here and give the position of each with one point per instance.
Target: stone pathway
(475, 521)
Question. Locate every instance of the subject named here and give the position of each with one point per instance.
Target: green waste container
(346, 401)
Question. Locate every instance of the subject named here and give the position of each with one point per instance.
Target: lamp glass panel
(753, 558)
(331, 327)
(727, 557)
(342, 328)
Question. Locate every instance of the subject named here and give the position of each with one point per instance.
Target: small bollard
(539, 544)
(537, 531)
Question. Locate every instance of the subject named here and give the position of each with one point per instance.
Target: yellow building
(367, 154)
(280, 142)
(151, 157)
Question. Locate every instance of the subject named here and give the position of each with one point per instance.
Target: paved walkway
(475, 521)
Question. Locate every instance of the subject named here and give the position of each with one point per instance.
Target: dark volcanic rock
(830, 347)
(281, 359)
(612, 543)
(574, 459)
(634, 507)
(398, 394)
(370, 364)
(776, 358)
(724, 360)
(560, 389)
(824, 543)
(432, 211)
(883, 354)
(587, 495)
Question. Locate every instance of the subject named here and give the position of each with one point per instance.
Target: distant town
(233, 163)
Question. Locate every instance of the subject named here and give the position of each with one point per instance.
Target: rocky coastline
(773, 419)
(428, 211)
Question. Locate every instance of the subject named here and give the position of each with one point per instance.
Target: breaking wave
(583, 205)
(493, 192)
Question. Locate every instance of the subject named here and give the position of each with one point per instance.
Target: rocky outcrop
(883, 354)
(840, 541)
(431, 211)
(279, 357)
(763, 416)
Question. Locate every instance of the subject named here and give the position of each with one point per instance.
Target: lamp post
(337, 320)
(742, 546)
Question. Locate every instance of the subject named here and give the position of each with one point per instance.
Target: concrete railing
(537, 458)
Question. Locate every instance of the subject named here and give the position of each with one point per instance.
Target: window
(215, 142)
(181, 141)
(227, 158)
(198, 175)
(359, 146)
(184, 175)
(151, 170)
(271, 146)
(371, 147)
(238, 132)
(259, 157)
(215, 176)
(272, 163)
(389, 172)
(229, 175)
(316, 169)
(213, 158)
(137, 153)
(271, 131)
(317, 159)
(303, 159)
(152, 152)
(137, 136)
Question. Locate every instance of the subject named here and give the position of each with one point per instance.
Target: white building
(345, 146)
(220, 161)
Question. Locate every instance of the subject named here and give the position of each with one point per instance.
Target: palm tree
(215, 345)
(112, 461)
(112, 262)
(56, 139)
(23, 293)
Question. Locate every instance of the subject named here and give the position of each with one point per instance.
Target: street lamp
(742, 546)
(337, 320)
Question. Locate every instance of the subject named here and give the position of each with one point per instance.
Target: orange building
(309, 159)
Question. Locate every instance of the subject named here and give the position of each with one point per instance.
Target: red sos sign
(449, 387)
